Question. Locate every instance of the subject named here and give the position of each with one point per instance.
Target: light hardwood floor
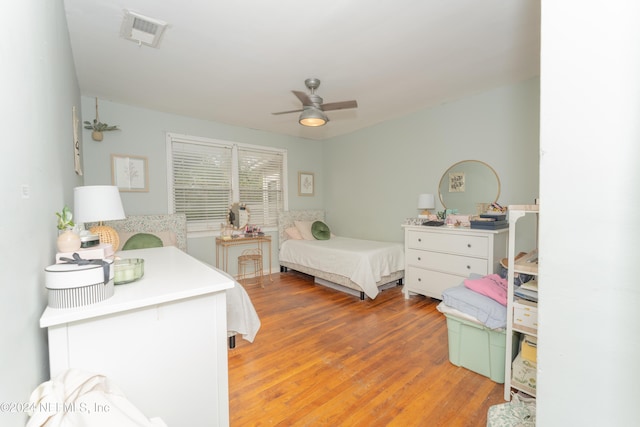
(325, 358)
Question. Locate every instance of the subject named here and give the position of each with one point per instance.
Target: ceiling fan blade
(287, 112)
(303, 97)
(339, 105)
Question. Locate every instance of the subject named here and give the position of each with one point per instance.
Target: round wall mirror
(467, 184)
(238, 216)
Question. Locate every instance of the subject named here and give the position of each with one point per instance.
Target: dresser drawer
(428, 282)
(455, 264)
(462, 244)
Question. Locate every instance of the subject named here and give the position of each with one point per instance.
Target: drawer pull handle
(419, 279)
(468, 245)
(419, 240)
(419, 259)
(468, 267)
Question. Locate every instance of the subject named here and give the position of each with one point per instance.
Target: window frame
(213, 229)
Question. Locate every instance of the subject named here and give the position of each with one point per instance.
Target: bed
(360, 267)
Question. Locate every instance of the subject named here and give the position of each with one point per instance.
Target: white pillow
(304, 227)
(293, 233)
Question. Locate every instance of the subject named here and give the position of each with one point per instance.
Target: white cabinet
(522, 322)
(162, 339)
(437, 258)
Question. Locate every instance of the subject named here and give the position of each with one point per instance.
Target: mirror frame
(445, 176)
(237, 207)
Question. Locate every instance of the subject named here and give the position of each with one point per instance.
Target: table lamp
(98, 203)
(426, 202)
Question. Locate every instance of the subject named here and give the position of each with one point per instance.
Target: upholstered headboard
(286, 219)
(170, 228)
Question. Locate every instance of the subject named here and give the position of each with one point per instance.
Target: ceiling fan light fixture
(312, 117)
(313, 107)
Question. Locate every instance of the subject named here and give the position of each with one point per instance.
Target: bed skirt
(342, 280)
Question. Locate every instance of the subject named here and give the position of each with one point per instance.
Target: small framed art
(456, 182)
(306, 184)
(129, 173)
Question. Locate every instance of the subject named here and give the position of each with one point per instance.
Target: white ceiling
(236, 61)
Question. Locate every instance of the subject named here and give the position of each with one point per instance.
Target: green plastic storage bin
(476, 347)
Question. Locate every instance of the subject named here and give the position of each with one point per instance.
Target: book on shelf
(531, 285)
(527, 294)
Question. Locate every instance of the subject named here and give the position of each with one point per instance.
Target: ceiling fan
(312, 107)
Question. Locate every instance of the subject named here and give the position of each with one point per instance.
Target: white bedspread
(242, 317)
(365, 262)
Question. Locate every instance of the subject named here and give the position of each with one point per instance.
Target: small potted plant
(97, 128)
(68, 240)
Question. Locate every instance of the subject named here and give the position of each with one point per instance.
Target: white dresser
(162, 339)
(437, 258)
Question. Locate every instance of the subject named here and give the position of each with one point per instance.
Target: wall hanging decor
(305, 184)
(456, 182)
(77, 161)
(129, 173)
(97, 127)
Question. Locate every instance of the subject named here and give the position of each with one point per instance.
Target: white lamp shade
(426, 201)
(93, 203)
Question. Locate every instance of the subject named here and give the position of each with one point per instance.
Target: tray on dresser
(489, 225)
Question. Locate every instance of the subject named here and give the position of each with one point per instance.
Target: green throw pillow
(320, 230)
(142, 241)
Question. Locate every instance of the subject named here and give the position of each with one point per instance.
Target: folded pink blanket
(493, 286)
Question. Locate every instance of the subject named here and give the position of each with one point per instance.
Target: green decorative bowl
(128, 270)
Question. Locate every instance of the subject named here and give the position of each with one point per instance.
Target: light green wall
(372, 178)
(39, 89)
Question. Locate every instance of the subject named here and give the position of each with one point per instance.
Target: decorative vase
(96, 135)
(68, 241)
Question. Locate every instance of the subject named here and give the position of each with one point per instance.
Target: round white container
(72, 285)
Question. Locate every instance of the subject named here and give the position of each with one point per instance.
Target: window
(206, 176)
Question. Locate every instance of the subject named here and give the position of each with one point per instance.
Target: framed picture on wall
(456, 182)
(129, 173)
(305, 184)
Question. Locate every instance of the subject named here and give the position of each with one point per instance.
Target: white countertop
(169, 274)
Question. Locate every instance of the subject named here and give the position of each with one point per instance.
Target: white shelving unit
(527, 264)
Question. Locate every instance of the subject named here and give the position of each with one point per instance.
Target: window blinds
(201, 183)
(260, 183)
(203, 174)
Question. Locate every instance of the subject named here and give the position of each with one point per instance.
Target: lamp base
(107, 235)
(424, 214)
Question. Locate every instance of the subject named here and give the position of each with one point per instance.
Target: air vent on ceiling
(142, 29)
